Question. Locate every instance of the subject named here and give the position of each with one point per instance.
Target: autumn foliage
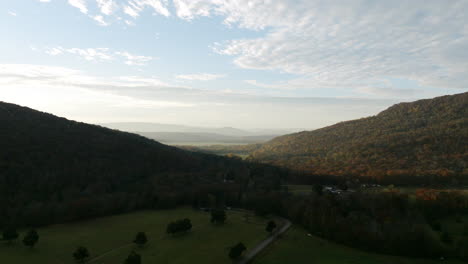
(425, 139)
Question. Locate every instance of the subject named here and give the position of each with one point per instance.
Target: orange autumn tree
(426, 194)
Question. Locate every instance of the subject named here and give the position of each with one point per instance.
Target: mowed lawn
(109, 239)
(298, 248)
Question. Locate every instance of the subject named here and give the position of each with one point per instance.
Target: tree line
(383, 222)
(30, 239)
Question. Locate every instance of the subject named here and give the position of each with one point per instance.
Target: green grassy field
(298, 248)
(109, 242)
(299, 189)
(109, 239)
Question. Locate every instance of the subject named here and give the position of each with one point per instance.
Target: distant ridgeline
(423, 141)
(54, 170)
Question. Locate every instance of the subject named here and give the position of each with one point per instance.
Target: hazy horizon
(279, 121)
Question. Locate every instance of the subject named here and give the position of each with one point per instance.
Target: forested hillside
(54, 170)
(426, 138)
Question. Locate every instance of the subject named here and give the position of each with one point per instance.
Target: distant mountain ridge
(181, 134)
(201, 138)
(158, 127)
(423, 138)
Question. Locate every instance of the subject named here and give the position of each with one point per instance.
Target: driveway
(250, 255)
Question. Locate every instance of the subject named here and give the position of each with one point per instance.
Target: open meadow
(297, 247)
(109, 239)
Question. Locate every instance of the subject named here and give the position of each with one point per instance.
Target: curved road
(251, 254)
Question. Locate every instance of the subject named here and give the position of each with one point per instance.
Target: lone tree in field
(10, 234)
(133, 258)
(218, 216)
(171, 228)
(81, 254)
(237, 250)
(140, 239)
(270, 226)
(179, 226)
(31, 238)
(186, 225)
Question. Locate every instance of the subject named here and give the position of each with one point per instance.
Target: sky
(242, 63)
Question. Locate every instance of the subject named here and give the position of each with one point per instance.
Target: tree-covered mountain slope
(53, 169)
(422, 138)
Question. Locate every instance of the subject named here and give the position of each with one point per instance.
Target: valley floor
(109, 240)
(297, 247)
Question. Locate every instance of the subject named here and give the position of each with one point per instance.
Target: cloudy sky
(240, 63)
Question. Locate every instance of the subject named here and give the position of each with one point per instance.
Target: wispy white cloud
(42, 75)
(55, 51)
(131, 11)
(89, 54)
(97, 54)
(190, 9)
(129, 22)
(133, 8)
(102, 55)
(352, 44)
(76, 94)
(80, 4)
(130, 91)
(11, 13)
(200, 76)
(259, 84)
(107, 7)
(100, 20)
(134, 60)
(80, 96)
(142, 81)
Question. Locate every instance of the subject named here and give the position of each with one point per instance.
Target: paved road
(251, 254)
